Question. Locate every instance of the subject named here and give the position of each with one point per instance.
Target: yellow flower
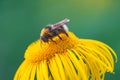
(71, 58)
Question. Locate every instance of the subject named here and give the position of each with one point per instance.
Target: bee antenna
(40, 42)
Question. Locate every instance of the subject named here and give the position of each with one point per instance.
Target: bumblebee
(50, 31)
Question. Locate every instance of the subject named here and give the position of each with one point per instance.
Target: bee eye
(49, 27)
(44, 39)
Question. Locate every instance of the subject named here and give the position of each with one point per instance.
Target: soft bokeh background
(22, 20)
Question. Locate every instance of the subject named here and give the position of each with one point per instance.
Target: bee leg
(66, 34)
(52, 40)
(59, 37)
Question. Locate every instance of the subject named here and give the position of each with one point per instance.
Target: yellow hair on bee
(44, 31)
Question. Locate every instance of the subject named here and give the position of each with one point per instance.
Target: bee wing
(63, 22)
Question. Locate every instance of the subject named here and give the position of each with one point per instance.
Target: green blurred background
(22, 20)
